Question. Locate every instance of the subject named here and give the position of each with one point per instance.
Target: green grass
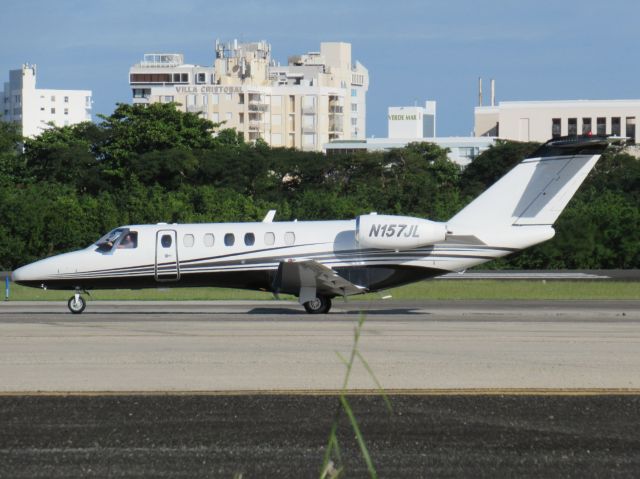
(427, 290)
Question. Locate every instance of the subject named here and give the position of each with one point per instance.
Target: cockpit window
(128, 240)
(105, 244)
(120, 238)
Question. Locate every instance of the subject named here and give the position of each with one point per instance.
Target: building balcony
(336, 127)
(255, 126)
(309, 129)
(309, 110)
(258, 107)
(336, 109)
(196, 108)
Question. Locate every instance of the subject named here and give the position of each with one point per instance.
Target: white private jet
(319, 260)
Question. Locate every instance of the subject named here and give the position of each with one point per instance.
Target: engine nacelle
(397, 232)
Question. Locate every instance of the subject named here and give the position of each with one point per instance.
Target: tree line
(65, 188)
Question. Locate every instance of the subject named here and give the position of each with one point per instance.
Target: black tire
(320, 305)
(76, 308)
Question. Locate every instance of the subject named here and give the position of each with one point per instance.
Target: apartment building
(315, 98)
(36, 109)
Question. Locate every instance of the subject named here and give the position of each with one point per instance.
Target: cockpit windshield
(121, 238)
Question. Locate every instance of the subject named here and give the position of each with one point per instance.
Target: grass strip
(427, 290)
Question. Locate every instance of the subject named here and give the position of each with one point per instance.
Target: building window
(53, 111)
(209, 240)
(354, 92)
(241, 118)
(572, 128)
(615, 126)
(601, 125)
(229, 239)
(66, 99)
(249, 239)
(586, 126)
(168, 99)
(215, 117)
(631, 128)
(241, 98)
(188, 240)
(556, 131)
(354, 122)
(269, 238)
(354, 107)
(53, 98)
(66, 111)
(215, 99)
(228, 96)
(201, 77)
(139, 93)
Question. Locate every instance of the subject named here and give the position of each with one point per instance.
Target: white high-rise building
(36, 109)
(317, 97)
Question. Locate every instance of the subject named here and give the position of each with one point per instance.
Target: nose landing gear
(76, 303)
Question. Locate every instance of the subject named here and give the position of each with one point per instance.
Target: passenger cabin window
(188, 240)
(209, 240)
(129, 240)
(269, 238)
(289, 238)
(166, 241)
(229, 239)
(249, 239)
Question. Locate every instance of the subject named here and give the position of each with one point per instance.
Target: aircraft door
(167, 267)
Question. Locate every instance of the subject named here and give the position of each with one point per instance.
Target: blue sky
(414, 50)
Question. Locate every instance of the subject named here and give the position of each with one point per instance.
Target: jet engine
(397, 232)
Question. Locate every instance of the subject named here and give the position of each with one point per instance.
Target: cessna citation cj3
(319, 260)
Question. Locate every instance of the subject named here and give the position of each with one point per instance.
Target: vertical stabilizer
(534, 192)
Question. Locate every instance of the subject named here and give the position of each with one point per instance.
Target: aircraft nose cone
(24, 274)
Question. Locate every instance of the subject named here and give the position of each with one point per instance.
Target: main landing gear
(320, 305)
(76, 303)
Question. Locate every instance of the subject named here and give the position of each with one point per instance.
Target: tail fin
(534, 192)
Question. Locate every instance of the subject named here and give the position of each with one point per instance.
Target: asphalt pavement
(286, 436)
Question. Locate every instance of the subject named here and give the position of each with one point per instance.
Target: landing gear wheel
(76, 304)
(320, 305)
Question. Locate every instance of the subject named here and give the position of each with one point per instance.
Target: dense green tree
(12, 168)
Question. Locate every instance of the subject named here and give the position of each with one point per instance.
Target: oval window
(289, 238)
(269, 238)
(166, 241)
(249, 239)
(229, 239)
(188, 241)
(209, 240)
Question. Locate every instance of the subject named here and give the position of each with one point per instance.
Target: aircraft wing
(307, 278)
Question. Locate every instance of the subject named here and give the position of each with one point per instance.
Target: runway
(275, 346)
(478, 388)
